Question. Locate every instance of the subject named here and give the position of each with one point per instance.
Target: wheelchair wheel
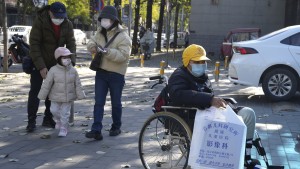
(164, 141)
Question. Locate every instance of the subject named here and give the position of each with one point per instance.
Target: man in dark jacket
(51, 29)
(189, 86)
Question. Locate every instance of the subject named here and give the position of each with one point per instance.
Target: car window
(253, 35)
(17, 29)
(237, 37)
(267, 36)
(292, 40)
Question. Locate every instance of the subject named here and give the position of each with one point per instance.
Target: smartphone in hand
(101, 49)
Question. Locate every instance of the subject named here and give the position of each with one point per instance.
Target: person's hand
(105, 50)
(218, 102)
(93, 50)
(44, 72)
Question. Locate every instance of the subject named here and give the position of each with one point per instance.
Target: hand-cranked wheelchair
(165, 137)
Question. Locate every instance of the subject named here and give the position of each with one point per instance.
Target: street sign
(40, 3)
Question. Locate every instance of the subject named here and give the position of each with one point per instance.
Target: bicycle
(165, 138)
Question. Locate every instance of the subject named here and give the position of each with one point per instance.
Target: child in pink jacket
(62, 86)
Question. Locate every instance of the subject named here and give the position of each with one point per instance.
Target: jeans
(113, 82)
(36, 81)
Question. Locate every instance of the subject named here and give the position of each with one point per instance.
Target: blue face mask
(198, 69)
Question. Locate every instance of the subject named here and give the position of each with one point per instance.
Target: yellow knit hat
(194, 53)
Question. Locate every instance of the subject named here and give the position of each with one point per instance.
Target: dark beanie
(109, 12)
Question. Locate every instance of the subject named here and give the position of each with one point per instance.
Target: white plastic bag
(218, 140)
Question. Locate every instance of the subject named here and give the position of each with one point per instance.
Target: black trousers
(36, 81)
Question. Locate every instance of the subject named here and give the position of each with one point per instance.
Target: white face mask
(66, 62)
(106, 23)
(57, 21)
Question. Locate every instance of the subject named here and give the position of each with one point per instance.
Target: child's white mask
(66, 62)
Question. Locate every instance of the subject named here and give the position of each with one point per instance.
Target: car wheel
(172, 45)
(84, 41)
(9, 62)
(279, 84)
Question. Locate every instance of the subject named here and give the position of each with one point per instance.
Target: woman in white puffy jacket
(62, 86)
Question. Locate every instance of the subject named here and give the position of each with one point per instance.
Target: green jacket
(43, 43)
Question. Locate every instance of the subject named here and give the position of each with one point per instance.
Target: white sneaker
(62, 132)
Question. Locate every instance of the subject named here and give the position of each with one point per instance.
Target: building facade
(210, 20)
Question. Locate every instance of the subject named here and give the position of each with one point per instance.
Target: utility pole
(4, 25)
(182, 24)
(130, 15)
(168, 6)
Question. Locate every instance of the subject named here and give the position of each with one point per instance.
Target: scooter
(147, 50)
(17, 50)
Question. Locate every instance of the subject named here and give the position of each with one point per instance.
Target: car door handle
(227, 43)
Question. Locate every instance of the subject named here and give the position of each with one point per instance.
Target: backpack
(161, 100)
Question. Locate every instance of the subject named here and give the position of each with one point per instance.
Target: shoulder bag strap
(111, 40)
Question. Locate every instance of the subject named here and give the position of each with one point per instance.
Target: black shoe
(114, 132)
(250, 164)
(30, 127)
(94, 134)
(48, 122)
(31, 124)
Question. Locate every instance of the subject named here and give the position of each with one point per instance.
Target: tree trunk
(118, 5)
(135, 45)
(160, 24)
(176, 24)
(149, 14)
(4, 26)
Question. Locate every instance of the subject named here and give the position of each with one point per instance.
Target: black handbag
(27, 64)
(97, 60)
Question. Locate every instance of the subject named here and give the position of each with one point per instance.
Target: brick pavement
(277, 123)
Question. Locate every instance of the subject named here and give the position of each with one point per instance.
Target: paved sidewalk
(277, 123)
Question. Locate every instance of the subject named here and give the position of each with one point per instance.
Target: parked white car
(162, 39)
(80, 37)
(180, 40)
(1, 35)
(272, 61)
(20, 30)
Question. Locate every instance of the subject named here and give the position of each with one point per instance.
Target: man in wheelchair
(189, 86)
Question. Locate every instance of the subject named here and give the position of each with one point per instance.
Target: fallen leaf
(3, 155)
(76, 141)
(100, 152)
(13, 160)
(68, 159)
(125, 166)
(45, 136)
(23, 134)
(5, 128)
